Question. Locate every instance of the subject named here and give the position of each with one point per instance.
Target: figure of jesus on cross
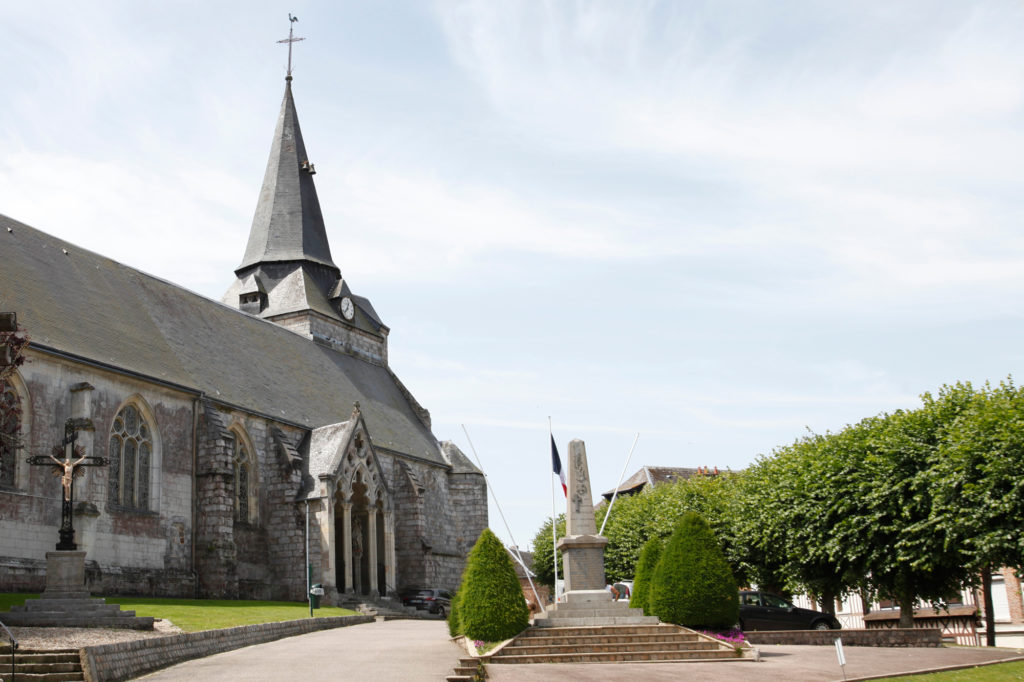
(68, 468)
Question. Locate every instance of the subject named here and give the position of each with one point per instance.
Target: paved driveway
(397, 650)
(415, 650)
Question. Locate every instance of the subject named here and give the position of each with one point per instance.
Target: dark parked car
(434, 601)
(767, 611)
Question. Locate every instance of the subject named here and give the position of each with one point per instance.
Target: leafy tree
(491, 606)
(980, 490)
(885, 525)
(654, 512)
(649, 557)
(693, 584)
(761, 534)
(543, 549)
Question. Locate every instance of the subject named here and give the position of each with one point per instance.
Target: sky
(717, 225)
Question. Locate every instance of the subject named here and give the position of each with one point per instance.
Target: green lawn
(1001, 672)
(192, 615)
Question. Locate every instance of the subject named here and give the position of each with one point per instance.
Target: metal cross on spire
(290, 39)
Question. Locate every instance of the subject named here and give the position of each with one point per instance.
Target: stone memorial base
(591, 607)
(66, 603)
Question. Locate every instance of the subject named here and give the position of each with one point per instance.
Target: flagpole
(554, 528)
(616, 492)
(496, 504)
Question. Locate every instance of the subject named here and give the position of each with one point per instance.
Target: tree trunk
(828, 601)
(990, 616)
(906, 602)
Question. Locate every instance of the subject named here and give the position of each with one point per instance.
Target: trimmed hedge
(648, 561)
(693, 585)
(491, 606)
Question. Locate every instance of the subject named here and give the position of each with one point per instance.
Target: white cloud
(177, 224)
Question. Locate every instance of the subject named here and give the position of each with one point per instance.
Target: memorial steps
(80, 611)
(613, 644)
(51, 665)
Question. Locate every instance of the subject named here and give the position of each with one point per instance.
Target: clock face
(347, 309)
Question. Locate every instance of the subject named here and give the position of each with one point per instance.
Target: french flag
(556, 464)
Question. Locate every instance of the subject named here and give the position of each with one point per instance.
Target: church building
(239, 434)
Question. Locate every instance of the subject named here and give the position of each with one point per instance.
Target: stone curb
(928, 671)
(127, 660)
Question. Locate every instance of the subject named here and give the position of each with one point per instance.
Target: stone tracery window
(10, 427)
(245, 508)
(130, 452)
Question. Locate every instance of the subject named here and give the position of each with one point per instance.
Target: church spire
(288, 225)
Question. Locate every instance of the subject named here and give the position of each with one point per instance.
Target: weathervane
(290, 39)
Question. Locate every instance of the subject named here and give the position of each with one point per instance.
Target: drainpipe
(195, 492)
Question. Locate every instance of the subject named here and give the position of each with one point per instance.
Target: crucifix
(68, 468)
(290, 39)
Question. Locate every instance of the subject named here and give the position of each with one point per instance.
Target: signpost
(841, 656)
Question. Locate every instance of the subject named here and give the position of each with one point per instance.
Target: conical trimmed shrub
(645, 566)
(453, 616)
(491, 606)
(693, 585)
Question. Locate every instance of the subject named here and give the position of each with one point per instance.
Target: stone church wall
(438, 515)
(263, 557)
(127, 551)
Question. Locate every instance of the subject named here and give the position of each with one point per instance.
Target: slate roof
(89, 306)
(288, 224)
(653, 476)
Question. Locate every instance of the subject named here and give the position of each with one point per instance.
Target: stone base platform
(81, 612)
(66, 603)
(591, 607)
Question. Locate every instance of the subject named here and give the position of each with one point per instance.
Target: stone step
(459, 678)
(75, 667)
(631, 647)
(642, 629)
(584, 640)
(465, 670)
(662, 656)
(37, 657)
(595, 622)
(602, 611)
(5, 676)
(68, 606)
(66, 594)
(44, 619)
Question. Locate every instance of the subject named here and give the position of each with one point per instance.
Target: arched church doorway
(363, 555)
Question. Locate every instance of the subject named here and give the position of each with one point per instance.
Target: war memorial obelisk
(586, 600)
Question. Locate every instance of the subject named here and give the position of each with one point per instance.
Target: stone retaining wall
(896, 637)
(127, 660)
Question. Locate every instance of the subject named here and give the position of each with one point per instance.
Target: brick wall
(127, 660)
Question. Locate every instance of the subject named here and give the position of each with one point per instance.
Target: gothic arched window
(131, 450)
(10, 427)
(245, 481)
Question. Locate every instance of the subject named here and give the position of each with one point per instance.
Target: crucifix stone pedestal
(65, 575)
(586, 602)
(66, 602)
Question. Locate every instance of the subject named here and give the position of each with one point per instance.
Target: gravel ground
(75, 638)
